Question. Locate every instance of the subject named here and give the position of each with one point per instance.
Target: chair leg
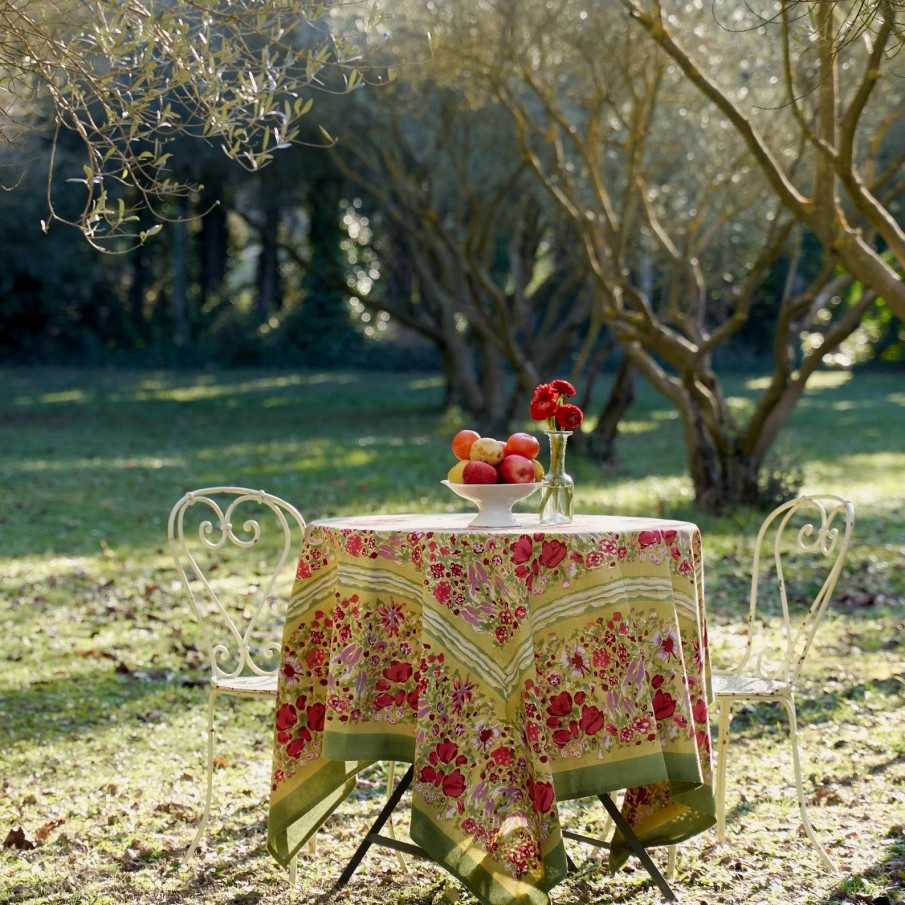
(722, 751)
(671, 862)
(209, 781)
(293, 871)
(799, 787)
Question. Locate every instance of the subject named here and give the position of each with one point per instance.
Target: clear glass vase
(558, 488)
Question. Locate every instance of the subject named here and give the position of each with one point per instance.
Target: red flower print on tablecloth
(667, 644)
(462, 691)
(289, 671)
(392, 616)
(477, 777)
(664, 705)
(592, 719)
(530, 559)
(398, 671)
(542, 795)
(286, 717)
(296, 723)
(633, 664)
(553, 552)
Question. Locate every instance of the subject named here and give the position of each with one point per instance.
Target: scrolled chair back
(799, 553)
(231, 590)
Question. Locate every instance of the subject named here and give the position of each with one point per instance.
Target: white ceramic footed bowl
(494, 501)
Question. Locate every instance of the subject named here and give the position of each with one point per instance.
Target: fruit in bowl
(516, 469)
(486, 449)
(478, 472)
(462, 443)
(486, 460)
(494, 474)
(522, 444)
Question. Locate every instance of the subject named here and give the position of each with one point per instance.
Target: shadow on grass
(881, 884)
(43, 713)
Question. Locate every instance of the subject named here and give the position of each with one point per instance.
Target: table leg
(373, 837)
(635, 845)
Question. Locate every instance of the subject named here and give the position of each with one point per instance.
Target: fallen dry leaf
(18, 840)
(43, 831)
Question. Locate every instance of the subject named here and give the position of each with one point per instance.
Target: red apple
(522, 444)
(476, 472)
(516, 469)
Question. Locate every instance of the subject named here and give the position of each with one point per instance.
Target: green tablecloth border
(481, 882)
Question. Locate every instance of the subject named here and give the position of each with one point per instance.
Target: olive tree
(836, 63)
(681, 225)
(455, 241)
(129, 78)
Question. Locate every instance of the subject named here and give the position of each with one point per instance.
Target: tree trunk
(213, 238)
(180, 296)
(600, 443)
(269, 291)
(724, 477)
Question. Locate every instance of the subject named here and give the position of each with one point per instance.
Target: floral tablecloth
(514, 668)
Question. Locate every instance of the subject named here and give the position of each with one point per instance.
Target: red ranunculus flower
(568, 416)
(543, 402)
(563, 387)
(547, 404)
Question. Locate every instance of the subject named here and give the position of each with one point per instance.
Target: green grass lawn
(101, 735)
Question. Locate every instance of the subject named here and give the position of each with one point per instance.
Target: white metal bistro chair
(812, 531)
(238, 613)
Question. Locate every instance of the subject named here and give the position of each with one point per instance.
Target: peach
(461, 443)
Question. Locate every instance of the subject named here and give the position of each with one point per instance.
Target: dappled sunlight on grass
(633, 426)
(653, 494)
(39, 465)
(205, 388)
(822, 380)
(425, 383)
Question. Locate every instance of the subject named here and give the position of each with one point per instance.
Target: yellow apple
(486, 449)
(538, 470)
(455, 475)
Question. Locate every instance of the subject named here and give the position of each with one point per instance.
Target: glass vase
(558, 488)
